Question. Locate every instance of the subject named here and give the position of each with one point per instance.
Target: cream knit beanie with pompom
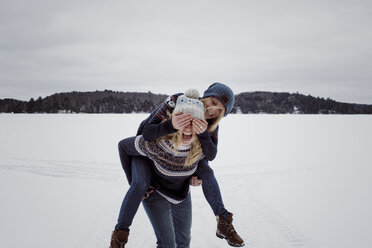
(189, 103)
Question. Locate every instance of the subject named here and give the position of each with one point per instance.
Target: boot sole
(221, 236)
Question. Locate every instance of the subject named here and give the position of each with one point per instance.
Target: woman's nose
(188, 127)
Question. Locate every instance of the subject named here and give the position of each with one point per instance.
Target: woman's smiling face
(213, 108)
(187, 135)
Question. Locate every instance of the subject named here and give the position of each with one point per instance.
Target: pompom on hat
(223, 93)
(189, 103)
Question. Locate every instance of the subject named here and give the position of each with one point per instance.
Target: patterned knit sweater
(172, 176)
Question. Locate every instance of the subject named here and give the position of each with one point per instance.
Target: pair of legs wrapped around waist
(139, 174)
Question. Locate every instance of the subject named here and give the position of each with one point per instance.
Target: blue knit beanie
(223, 93)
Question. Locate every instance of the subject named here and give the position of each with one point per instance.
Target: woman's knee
(141, 174)
(123, 144)
(121, 148)
(204, 171)
(139, 186)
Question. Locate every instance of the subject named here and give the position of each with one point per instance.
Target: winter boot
(119, 238)
(225, 230)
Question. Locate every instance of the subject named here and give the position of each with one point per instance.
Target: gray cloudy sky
(317, 47)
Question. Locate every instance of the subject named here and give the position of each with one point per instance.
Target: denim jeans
(141, 174)
(140, 178)
(211, 189)
(126, 151)
(171, 222)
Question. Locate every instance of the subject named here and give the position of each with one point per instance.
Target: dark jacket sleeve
(154, 131)
(154, 126)
(209, 142)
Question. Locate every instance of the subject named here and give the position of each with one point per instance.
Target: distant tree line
(286, 103)
(128, 102)
(86, 102)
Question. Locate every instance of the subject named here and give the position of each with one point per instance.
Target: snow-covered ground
(290, 180)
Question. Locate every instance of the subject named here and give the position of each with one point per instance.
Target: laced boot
(119, 238)
(225, 230)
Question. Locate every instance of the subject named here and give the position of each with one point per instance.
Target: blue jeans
(171, 222)
(211, 189)
(140, 170)
(126, 151)
(141, 174)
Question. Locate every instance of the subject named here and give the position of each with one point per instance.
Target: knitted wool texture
(223, 93)
(167, 160)
(189, 103)
(172, 176)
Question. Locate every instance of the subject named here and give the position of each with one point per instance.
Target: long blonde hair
(213, 123)
(195, 152)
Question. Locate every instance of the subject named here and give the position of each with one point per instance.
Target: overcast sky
(317, 47)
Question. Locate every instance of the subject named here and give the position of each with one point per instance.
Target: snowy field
(290, 180)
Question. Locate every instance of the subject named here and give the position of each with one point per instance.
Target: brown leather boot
(225, 230)
(119, 238)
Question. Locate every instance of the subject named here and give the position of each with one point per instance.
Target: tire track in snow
(259, 224)
(67, 168)
(239, 170)
(270, 229)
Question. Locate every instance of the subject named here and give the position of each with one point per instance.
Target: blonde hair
(213, 123)
(195, 152)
